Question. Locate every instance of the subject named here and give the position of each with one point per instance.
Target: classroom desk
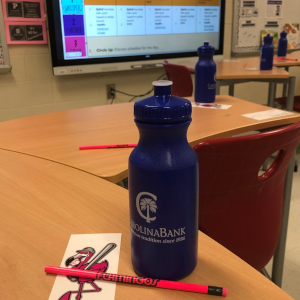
(57, 136)
(43, 203)
(286, 65)
(294, 54)
(242, 70)
(236, 69)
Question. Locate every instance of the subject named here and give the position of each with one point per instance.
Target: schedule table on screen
(90, 28)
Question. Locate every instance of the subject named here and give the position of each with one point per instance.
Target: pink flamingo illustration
(82, 261)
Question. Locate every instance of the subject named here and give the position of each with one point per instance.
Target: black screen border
(55, 34)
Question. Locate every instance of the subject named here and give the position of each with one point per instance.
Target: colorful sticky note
(73, 25)
(75, 46)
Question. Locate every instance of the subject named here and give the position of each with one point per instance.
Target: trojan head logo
(146, 206)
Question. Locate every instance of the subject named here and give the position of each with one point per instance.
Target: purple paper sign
(73, 25)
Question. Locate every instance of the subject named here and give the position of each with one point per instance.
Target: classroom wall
(31, 88)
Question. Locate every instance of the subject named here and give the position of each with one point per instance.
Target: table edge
(115, 178)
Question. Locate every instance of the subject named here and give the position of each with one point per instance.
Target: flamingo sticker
(96, 255)
(81, 261)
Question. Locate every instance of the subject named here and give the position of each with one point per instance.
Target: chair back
(238, 208)
(182, 80)
(282, 101)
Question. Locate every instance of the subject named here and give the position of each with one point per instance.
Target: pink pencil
(285, 59)
(107, 146)
(164, 284)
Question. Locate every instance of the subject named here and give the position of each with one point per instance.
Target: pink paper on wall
(75, 46)
(26, 32)
(23, 10)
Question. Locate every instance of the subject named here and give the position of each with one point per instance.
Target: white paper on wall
(274, 9)
(248, 37)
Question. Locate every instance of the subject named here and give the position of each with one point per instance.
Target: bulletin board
(24, 21)
(253, 19)
(4, 58)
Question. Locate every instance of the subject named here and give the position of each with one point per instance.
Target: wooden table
(294, 54)
(286, 65)
(57, 136)
(43, 203)
(242, 70)
(239, 68)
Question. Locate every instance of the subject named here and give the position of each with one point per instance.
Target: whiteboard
(251, 17)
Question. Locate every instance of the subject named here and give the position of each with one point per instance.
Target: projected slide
(103, 28)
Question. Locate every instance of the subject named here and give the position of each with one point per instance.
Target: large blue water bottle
(282, 44)
(205, 75)
(267, 53)
(163, 188)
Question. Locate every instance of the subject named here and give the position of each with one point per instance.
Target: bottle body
(267, 56)
(282, 46)
(163, 196)
(205, 79)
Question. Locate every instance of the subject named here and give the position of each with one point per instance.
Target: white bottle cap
(162, 83)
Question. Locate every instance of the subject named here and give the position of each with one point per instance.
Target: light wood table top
(57, 136)
(236, 69)
(295, 54)
(43, 203)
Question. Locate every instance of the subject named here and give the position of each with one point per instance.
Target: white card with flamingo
(94, 252)
(211, 105)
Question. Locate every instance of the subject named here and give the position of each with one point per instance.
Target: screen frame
(59, 61)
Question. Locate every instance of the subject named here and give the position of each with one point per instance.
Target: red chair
(237, 208)
(182, 80)
(282, 101)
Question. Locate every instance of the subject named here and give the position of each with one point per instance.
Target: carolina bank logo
(146, 202)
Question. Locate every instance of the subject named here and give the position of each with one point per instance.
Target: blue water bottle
(282, 44)
(205, 75)
(163, 188)
(267, 53)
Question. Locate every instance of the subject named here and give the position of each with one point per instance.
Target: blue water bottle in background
(205, 75)
(267, 53)
(282, 44)
(163, 188)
